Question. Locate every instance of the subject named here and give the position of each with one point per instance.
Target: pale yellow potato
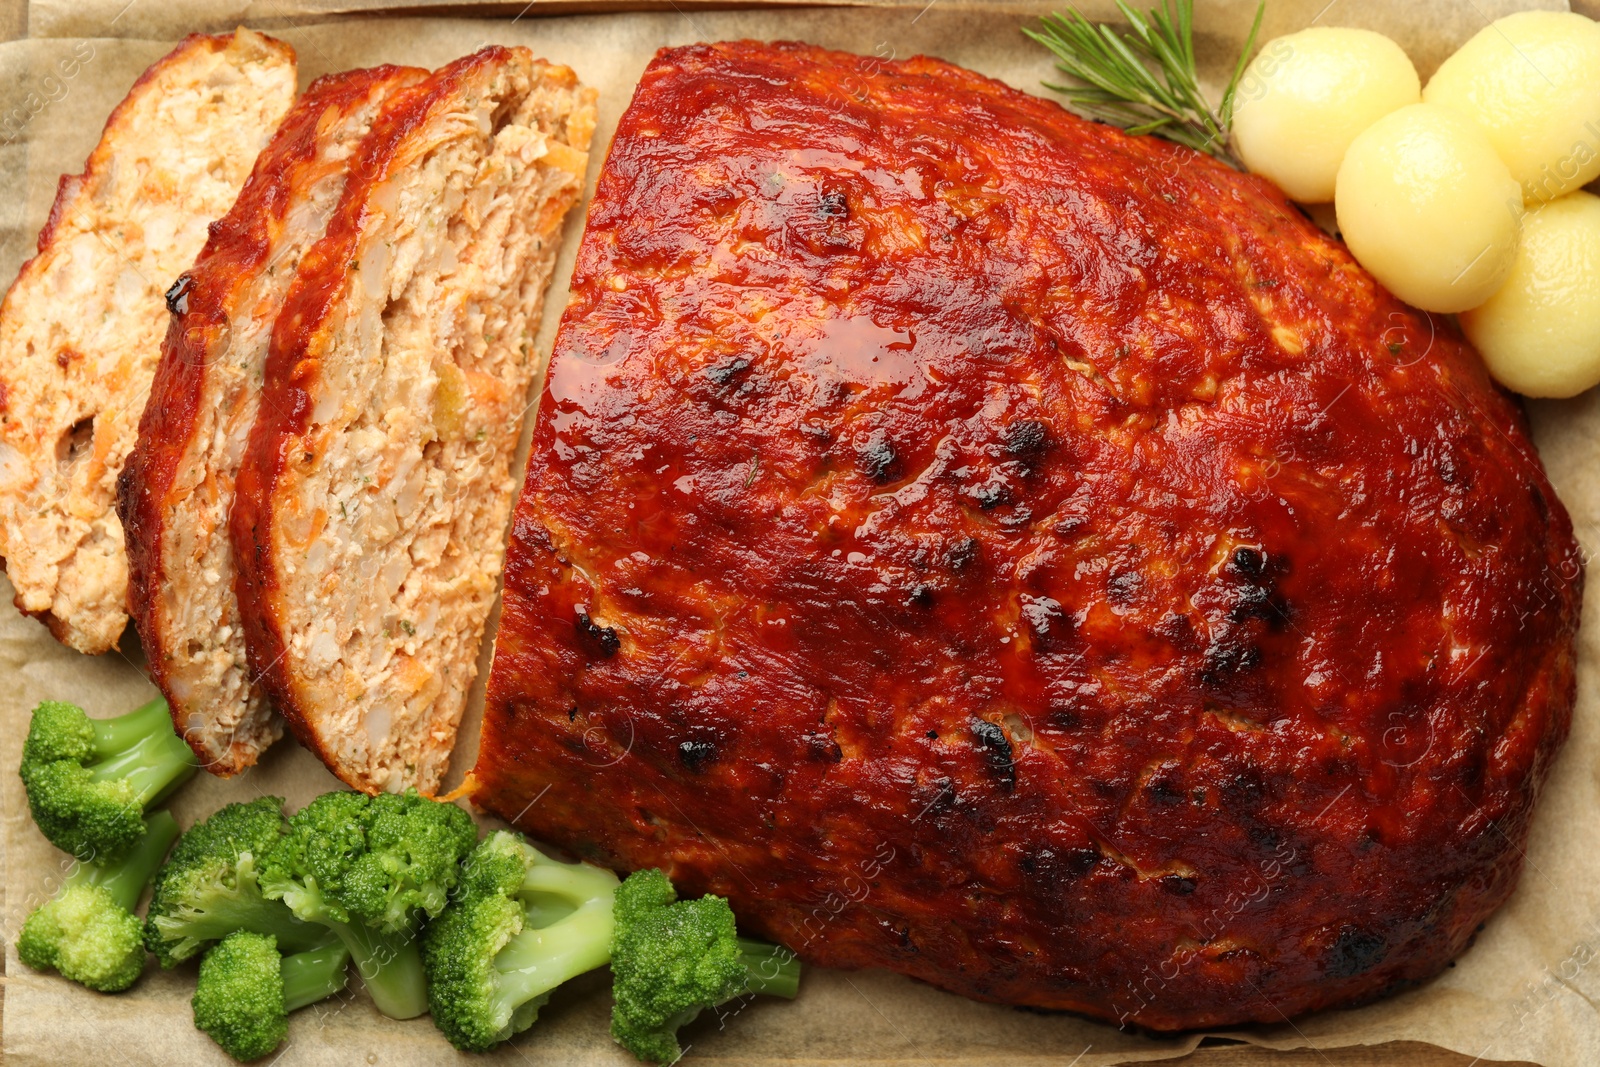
(1540, 334)
(1532, 81)
(1306, 96)
(1425, 204)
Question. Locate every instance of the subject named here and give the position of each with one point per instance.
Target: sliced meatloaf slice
(81, 327)
(177, 486)
(370, 516)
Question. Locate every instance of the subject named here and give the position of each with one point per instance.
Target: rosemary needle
(1144, 79)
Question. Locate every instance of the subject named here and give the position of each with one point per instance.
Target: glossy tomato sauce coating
(1026, 557)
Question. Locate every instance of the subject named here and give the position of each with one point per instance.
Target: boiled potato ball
(1540, 334)
(1426, 205)
(1306, 96)
(1532, 81)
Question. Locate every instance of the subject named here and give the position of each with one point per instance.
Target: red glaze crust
(1034, 559)
(238, 245)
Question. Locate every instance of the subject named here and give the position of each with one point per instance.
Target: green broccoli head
(88, 932)
(247, 989)
(238, 998)
(209, 887)
(672, 959)
(89, 781)
(59, 731)
(521, 924)
(87, 937)
(383, 861)
(372, 869)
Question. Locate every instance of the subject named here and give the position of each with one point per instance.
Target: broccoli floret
(671, 959)
(89, 781)
(521, 924)
(247, 989)
(209, 887)
(372, 870)
(89, 932)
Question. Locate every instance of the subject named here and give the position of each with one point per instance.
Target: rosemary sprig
(1144, 79)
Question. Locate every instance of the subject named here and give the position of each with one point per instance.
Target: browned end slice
(177, 486)
(369, 522)
(81, 328)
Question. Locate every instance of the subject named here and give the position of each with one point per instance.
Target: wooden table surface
(14, 24)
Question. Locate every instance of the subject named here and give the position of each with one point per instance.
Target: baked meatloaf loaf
(81, 328)
(1035, 559)
(372, 501)
(177, 486)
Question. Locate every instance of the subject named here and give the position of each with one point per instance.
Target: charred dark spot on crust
(1079, 861)
(599, 641)
(1261, 835)
(1254, 602)
(729, 369)
(1164, 788)
(1356, 951)
(178, 295)
(1256, 596)
(878, 459)
(997, 754)
(1065, 718)
(696, 754)
(959, 555)
(1227, 658)
(826, 227)
(990, 494)
(822, 746)
(1026, 438)
(1177, 885)
(1057, 866)
(1248, 562)
(1045, 618)
(833, 204)
(572, 713)
(921, 596)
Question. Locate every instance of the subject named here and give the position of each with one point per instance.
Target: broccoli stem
(774, 971)
(126, 878)
(314, 975)
(390, 967)
(121, 732)
(153, 765)
(538, 959)
(227, 912)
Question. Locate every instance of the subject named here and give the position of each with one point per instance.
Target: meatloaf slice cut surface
(369, 523)
(177, 486)
(81, 327)
(988, 546)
